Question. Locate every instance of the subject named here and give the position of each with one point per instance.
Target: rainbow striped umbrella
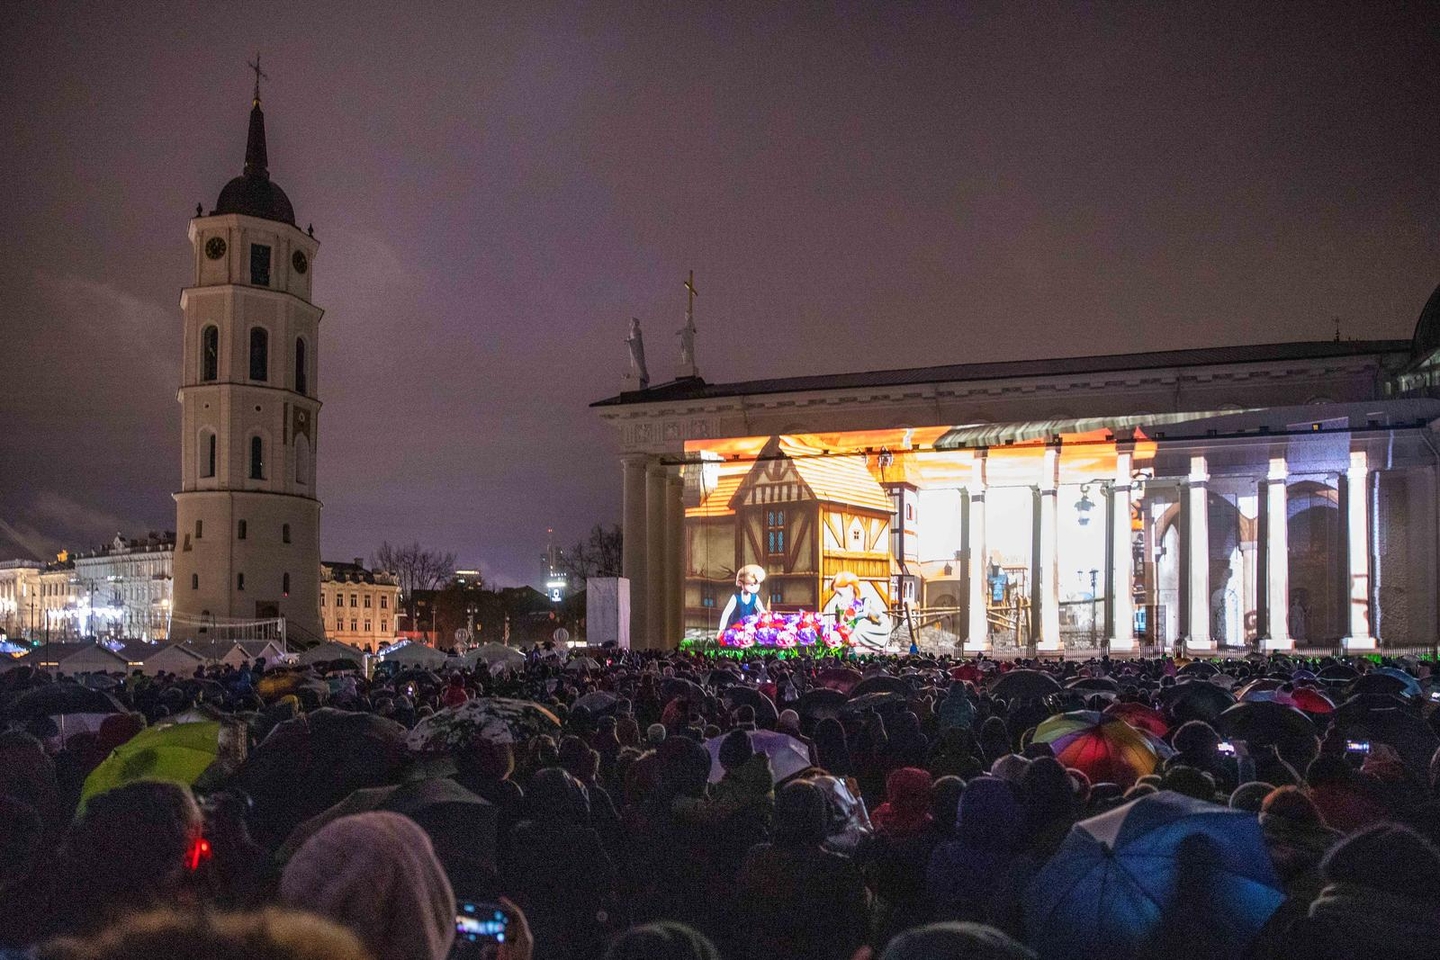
(1105, 748)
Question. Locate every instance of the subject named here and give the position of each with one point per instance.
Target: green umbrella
(178, 753)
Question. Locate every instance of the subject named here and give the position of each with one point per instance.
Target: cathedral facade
(1272, 496)
(248, 512)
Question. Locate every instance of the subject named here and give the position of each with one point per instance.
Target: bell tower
(248, 513)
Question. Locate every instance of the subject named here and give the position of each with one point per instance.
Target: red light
(198, 853)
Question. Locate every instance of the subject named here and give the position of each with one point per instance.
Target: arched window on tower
(207, 453)
(259, 353)
(257, 458)
(285, 584)
(302, 380)
(210, 353)
(302, 460)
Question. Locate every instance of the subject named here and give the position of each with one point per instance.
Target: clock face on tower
(215, 248)
(299, 261)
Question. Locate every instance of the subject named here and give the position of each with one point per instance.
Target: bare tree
(597, 556)
(415, 568)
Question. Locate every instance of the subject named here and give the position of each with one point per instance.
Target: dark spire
(256, 163)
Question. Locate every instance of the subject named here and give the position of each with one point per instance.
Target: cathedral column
(1047, 580)
(655, 567)
(978, 635)
(633, 560)
(1122, 559)
(1276, 530)
(674, 558)
(1355, 532)
(1197, 551)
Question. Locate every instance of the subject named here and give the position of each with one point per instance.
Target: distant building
(357, 605)
(124, 589)
(20, 607)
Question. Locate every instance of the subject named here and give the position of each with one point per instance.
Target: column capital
(1278, 470)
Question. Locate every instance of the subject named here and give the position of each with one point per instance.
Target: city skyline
(853, 192)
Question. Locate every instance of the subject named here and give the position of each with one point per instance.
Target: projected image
(864, 540)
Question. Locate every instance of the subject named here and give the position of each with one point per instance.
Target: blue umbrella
(1412, 685)
(1151, 871)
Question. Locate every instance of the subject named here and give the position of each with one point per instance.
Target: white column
(1356, 530)
(1122, 560)
(636, 542)
(674, 559)
(1198, 548)
(1049, 566)
(978, 635)
(1277, 557)
(655, 567)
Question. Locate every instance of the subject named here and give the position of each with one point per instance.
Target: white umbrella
(415, 655)
(582, 663)
(788, 756)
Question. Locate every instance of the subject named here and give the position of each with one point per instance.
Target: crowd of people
(642, 813)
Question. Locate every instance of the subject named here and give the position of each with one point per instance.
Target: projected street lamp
(1084, 505)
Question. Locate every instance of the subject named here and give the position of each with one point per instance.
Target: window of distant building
(367, 601)
(199, 528)
(384, 602)
(353, 627)
(241, 528)
(354, 599)
(285, 584)
(322, 599)
(302, 379)
(194, 581)
(239, 581)
(210, 353)
(284, 533)
(259, 354)
(384, 626)
(208, 447)
(260, 264)
(257, 458)
(367, 626)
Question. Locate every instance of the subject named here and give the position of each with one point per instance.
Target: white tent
(496, 656)
(408, 654)
(331, 650)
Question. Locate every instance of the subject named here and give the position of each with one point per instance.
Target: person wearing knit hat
(376, 874)
(1249, 796)
(655, 735)
(1010, 767)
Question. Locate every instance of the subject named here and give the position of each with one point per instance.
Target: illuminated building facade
(1229, 498)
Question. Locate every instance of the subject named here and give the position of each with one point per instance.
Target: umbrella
(1198, 668)
(1305, 698)
(1384, 682)
(883, 702)
(597, 702)
(1267, 723)
(882, 684)
(1024, 683)
(306, 764)
(674, 687)
(820, 703)
(1257, 689)
(788, 756)
(1105, 748)
(60, 699)
(1195, 700)
(177, 753)
(461, 826)
(966, 671)
(580, 664)
(1094, 684)
(1162, 864)
(414, 655)
(1141, 717)
(1338, 671)
(484, 718)
(1410, 737)
(843, 679)
(765, 712)
(1412, 685)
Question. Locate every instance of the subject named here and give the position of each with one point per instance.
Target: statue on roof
(636, 342)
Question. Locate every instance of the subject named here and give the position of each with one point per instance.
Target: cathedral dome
(1427, 329)
(253, 193)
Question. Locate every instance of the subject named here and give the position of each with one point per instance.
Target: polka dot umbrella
(1105, 748)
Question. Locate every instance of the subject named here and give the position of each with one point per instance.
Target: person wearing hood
(556, 868)
(1378, 902)
(1297, 838)
(894, 858)
(956, 941)
(964, 874)
(797, 899)
(377, 875)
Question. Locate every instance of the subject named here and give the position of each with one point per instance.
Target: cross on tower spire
(255, 65)
(693, 293)
(687, 333)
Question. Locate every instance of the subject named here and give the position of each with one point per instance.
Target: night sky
(499, 187)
